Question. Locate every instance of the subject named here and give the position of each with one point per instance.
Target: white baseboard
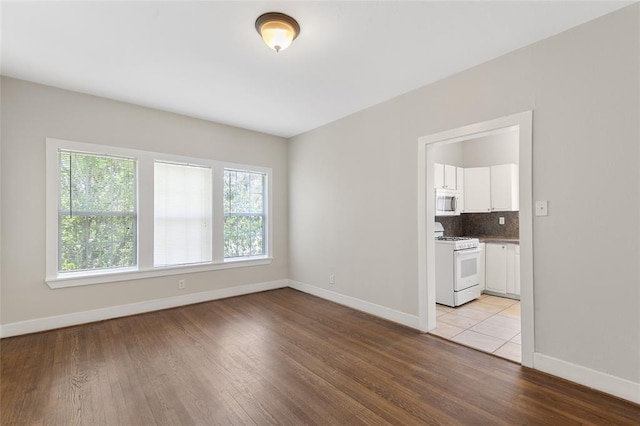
(585, 376)
(358, 304)
(604, 382)
(48, 323)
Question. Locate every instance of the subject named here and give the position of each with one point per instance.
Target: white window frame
(145, 170)
(265, 193)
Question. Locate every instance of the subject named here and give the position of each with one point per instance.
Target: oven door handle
(465, 252)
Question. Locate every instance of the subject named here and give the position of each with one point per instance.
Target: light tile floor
(490, 324)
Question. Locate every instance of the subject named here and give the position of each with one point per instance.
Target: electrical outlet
(501, 221)
(182, 284)
(332, 279)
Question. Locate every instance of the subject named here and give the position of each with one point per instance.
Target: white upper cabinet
(460, 188)
(445, 176)
(504, 188)
(491, 189)
(438, 182)
(477, 190)
(450, 177)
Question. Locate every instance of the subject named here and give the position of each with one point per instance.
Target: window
(244, 218)
(182, 211)
(97, 212)
(117, 214)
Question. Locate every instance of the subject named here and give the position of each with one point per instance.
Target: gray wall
(353, 188)
(31, 113)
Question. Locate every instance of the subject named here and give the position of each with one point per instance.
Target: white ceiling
(205, 59)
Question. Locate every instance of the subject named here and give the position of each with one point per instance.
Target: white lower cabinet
(502, 268)
(496, 268)
(481, 272)
(511, 268)
(517, 268)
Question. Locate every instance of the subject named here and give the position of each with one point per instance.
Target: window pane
(244, 236)
(243, 192)
(182, 210)
(97, 242)
(244, 224)
(97, 212)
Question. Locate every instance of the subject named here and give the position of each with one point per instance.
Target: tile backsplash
(481, 224)
(452, 225)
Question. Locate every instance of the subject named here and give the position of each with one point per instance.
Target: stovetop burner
(458, 243)
(453, 238)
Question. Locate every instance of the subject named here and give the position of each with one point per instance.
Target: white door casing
(523, 122)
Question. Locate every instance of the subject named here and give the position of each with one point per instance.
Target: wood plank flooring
(278, 357)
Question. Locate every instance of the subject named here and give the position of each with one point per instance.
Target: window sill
(128, 275)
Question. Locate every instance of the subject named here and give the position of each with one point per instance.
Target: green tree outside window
(97, 212)
(244, 213)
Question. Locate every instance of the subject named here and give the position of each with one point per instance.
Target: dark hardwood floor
(278, 357)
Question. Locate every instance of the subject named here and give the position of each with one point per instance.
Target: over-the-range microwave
(447, 203)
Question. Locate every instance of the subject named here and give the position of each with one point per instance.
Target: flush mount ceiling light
(277, 30)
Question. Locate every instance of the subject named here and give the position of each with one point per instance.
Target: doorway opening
(438, 149)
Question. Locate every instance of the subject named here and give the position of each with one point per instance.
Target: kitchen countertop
(497, 240)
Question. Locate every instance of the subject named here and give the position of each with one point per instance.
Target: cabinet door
(481, 272)
(511, 269)
(477, 189)
(438, 182)
(460, 188)
(504, 188)
(496, 268)
(517, 267)
(450, 176)
(516, 264)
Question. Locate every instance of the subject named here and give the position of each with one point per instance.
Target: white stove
(457, 268)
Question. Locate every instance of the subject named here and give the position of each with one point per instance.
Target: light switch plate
(542, 208)
(501, 221)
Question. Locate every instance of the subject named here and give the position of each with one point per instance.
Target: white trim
(525, 176)
(48, 323)
(604, 382)
(79, 279)
(426, 261)
(426, 277)
(359, 304)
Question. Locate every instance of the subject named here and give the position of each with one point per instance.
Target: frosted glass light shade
(277, 30)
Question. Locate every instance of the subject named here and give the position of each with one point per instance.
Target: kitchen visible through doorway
(509, 263)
